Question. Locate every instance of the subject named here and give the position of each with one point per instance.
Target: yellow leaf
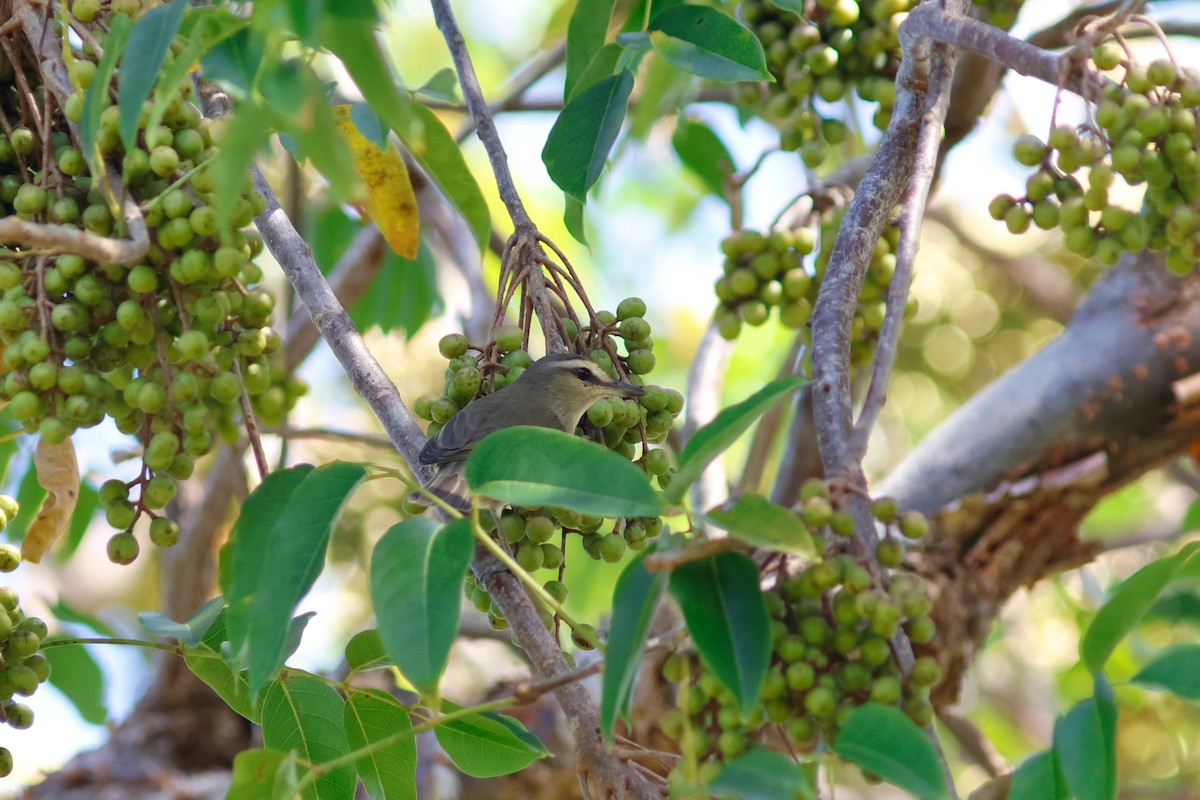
(390, 203)
(58, 473)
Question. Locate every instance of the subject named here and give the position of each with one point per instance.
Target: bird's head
(571, 384)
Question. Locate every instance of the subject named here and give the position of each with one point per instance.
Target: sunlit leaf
(758, 521)
(304, 715)
(709, 43)
(584, 132)
(488, 745)
(530, 466)
(389, 773)
(884, 741)
(727, 619)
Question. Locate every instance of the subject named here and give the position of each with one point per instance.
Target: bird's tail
(449, 485)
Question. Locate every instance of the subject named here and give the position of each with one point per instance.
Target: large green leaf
(603, 65)
(1085, 742)
(141, 63)
(714, 438)
(763, 775)
(417, 571)
(586, 33)
(529, 466)
(234, 62)
(703, 152)
(1039, 778)
(708, 43)
(75, 673)
(755, 519)
(304, 715)
(391, 772)
(96, 98)
(884, 741)
(727, 618)
(584, 132)
(488, 745)
(635, 597)
(1128, 604)
(289, 555)
(1177, 671)
(352, 39)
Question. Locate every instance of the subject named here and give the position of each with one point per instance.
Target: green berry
(10, 557)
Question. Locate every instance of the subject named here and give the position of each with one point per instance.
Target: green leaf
(417, 571)
(603, 65)
(1086, 746)
(141, 63)
(30, 495)
(234, 62)
(755, 519)
(1039, 778)
(391, 772)
(1177, 671)
(306, 17)
(295, 93)
(365, 651)
(229, 684)
(282, 560)
(353, 41)
(96, 98)
(1128, 604)
(573, 219)
(703, 152)
(584, 132)
(586, 33)
(715, 437)
(728, 621)
(442, 85)
(529, 466)
(254, 774)
(883, 740)
(243, 557)
(795, 6)
(304, 715)
(246, 132)
(762, 775)
(75, 673)
(635, 597)
(189, 632)
(708, 43)
(488, 745)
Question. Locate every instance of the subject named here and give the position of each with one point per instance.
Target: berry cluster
(22, 667)
(628, 426)
(164, 346)
(842, 45)
(763, 271)
(831, 628)
(1144, 133)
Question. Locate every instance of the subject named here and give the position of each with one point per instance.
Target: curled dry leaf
(391, 202)
(58, 473)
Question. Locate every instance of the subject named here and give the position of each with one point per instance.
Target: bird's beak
(624, 389)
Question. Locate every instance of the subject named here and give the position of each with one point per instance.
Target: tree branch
(524, 247)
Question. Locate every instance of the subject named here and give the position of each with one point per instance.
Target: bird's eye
(583, 373)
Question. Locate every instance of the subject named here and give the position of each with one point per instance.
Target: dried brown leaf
(58, 473)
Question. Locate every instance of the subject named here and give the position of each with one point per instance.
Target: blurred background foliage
(986, 301)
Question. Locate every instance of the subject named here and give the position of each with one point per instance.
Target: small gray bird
(554, 392)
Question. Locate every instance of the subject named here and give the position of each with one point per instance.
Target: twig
(523, 246)
(703, 548)
(521, 83)
(251, 424)
(284, 432)
(526, 691)
(72, 240)
(912, 213)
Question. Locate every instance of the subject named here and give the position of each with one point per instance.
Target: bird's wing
(466, 428)
(462, 432)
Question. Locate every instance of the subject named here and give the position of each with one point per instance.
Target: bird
(553, 392)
